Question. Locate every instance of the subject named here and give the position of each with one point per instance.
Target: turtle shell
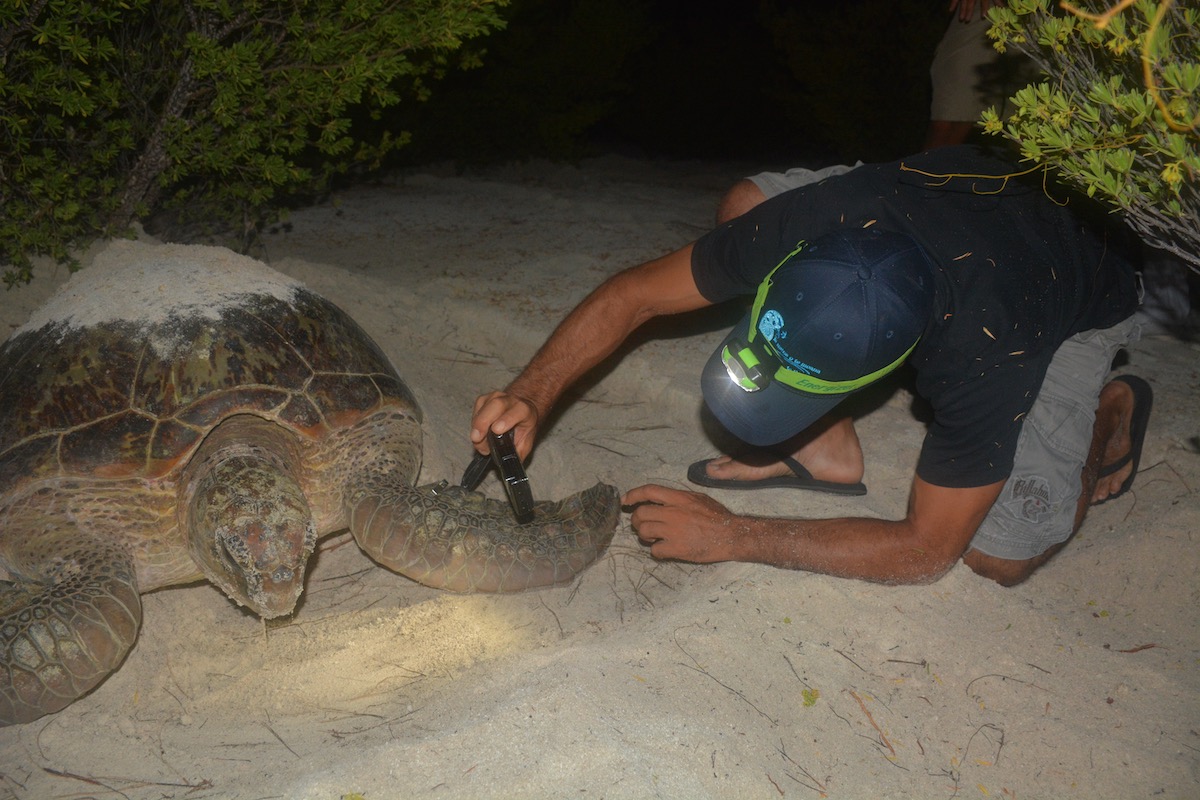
(132, 395)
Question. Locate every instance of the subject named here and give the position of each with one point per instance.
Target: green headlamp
(744, 366)
(746, 361)
(752, 363)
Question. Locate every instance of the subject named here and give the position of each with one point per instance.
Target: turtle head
(254, 548)
(249, 528)
(260, 563)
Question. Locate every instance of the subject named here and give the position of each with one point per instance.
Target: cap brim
(763, 418)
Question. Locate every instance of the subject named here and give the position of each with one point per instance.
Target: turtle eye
(234, 550)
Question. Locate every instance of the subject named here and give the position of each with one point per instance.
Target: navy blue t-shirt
(1021, 267)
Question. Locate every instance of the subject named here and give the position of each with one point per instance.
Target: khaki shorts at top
(1036, 508)
(773, 183)
(968, 75)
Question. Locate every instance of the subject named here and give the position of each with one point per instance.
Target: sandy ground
(642, 679)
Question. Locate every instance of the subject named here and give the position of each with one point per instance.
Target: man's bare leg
(741, 197)
(829, 449)
(1119, 413)
(1110, 441)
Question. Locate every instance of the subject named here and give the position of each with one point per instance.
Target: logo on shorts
(1030, 498)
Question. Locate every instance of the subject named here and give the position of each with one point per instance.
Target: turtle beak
(266, 564)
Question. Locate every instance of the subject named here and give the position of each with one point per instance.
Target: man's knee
(741, 197)
(943, 133)
(1006, 571)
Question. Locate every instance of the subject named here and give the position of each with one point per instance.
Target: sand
(641, 679)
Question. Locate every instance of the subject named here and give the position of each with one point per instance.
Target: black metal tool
(512, 474)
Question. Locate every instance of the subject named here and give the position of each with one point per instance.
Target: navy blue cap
(833, 317)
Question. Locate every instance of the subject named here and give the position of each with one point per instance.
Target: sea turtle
(182, 413)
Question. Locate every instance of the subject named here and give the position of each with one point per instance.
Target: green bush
(1121, 116)
(113, 109)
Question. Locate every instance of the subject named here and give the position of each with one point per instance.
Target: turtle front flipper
(446, 537)
(65, 625)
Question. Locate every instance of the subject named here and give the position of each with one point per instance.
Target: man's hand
(501, 412)
(590, 333)
(683, 525)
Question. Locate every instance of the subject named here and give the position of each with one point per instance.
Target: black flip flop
(1143, 400)
(800, 478)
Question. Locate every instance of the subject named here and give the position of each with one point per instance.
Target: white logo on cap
(770, 324)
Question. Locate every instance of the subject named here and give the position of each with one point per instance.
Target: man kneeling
(1008, 304)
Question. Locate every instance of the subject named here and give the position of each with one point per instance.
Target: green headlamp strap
(813, 385)
(761, 296)
(753, 379)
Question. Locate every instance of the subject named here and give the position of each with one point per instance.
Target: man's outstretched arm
(588, 335)
(920, 548)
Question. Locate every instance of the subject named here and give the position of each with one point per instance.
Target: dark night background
(714, 79)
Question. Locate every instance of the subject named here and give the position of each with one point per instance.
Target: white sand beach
(642, 679)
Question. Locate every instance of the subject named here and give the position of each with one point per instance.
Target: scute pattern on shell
(309, 367)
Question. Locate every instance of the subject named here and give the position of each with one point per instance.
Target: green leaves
(1121, 119)
(112, 109)
(61, 136)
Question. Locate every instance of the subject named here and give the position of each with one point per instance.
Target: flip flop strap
(795, 466)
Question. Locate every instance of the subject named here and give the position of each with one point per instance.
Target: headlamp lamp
(748, 366)
(744, 366)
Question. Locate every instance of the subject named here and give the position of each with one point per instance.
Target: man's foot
(752, 467)
(826, 457)
(1132, 398)
(779, 472)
